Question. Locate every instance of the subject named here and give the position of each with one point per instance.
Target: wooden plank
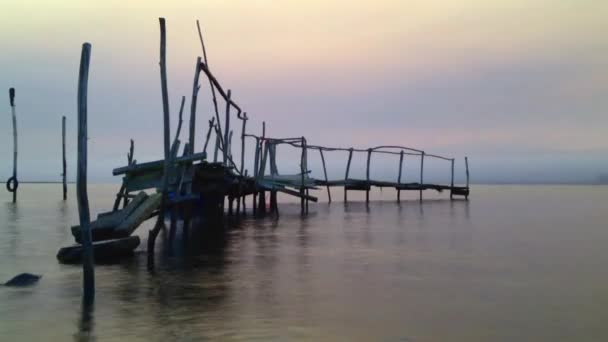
(140, 214)
(157, 164)
(104, 251)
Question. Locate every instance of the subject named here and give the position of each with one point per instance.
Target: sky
(520, 87)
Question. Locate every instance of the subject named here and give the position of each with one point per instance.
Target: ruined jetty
(188, 185)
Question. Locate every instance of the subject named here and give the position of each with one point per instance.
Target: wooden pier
(190, 186)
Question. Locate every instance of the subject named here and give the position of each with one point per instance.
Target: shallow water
(515, 263)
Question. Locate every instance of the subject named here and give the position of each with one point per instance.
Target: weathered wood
(421, 172)
(104, 251)
(452, 182)
(13, 184)
(81, 179)
(325, 173)
(369, 157)
(139, 215)
(195, 88)
(243, 128)
(166, 131)
(350, 157)
(227, 129)
(64, 173)
(399, 177)
(158, 164)
(218, 136)
(180, 121)
(211, 123)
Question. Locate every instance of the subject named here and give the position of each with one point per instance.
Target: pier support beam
(81, 180)
(421, 174)
(399, 176)
(452, 182)
(350, 157)
(369, 157)
(466, 165)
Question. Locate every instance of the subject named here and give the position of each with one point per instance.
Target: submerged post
(12, 184)
(466, 164)
(369, 157)
(350, 157)
(166, 132)
(452, 182)
(421, 173)
(325, 173)
(81, 179)
(64, 173)
(303, 172)
(399, 177)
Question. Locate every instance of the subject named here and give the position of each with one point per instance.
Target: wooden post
(166, 132)
(12, 184)
(350, 157)
(238, 205)
(303, 171)
(217, 143)
(64, 173)
(325, 173)
(262, 200)
(211, 123)
(256, 163)
(227, 129)
(195, 88)
(399, 177)
(466, 163)
(452, 182)
(81, 179)
(421, 173)
(272, 150)
(369, 157)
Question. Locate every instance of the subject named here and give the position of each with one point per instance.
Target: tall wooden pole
(13, 183)
(211, 123)
(350, 157)
(303, 172)
(195, 88)
(399, 177)
(369, 157)
(325, 173)
(166, 137)
(64, 173)
(81, 179)
(227, 129)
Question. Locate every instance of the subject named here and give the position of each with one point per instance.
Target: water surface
(515, 263)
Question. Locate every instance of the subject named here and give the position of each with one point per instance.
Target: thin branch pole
(421, 174)
(325, 173)
(217, 143)
(179, 122)
(195, 88)
(166, 132)
(227, 130)
(369, 157)
(64, 164)
(215, 106)
(350, 157)
(244, 127)
(211, 123)
(399, 177)
(13, 179)
(81, 179)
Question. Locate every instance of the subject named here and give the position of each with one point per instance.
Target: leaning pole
(81, 179)
(12, 184)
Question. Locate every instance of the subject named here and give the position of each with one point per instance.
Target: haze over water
(515, 263)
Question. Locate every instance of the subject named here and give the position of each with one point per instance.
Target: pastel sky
(520, 86)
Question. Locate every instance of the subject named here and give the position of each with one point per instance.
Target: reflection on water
(508, 265)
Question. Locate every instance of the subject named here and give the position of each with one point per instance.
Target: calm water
(513, 264)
